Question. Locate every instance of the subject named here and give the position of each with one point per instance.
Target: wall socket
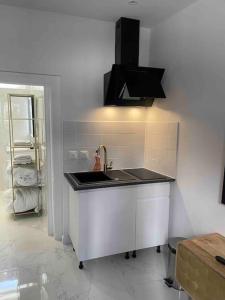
(73, 154)
(84, 154)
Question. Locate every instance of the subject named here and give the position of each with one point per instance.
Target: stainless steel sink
(90, 177)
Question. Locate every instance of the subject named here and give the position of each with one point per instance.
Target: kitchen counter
(124, 177)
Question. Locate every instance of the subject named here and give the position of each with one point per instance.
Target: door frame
(223, 192)
(54, 151)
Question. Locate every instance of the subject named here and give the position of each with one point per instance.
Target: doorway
(23, 163)
(53, 135)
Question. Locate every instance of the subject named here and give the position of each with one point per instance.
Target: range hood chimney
(127, 42)
(127, 84)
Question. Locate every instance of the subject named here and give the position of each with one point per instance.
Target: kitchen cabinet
(152, 218)
(102, 222)
(114, 220)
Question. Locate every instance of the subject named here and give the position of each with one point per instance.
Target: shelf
(37, 186)
(29, 212)
(23, 146)
(31, 165)
(28, 166)
(23, 119)
(32, 147)
(17, 150)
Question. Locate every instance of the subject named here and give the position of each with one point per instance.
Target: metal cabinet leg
(81, 266)
(158, 249)
(134, 254)
(127, 255)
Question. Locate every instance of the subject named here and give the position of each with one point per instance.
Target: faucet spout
(106, 167)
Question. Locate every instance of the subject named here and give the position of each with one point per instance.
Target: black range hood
(127, 84)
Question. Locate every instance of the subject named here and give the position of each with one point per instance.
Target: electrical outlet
(73, 154)
(84, 154)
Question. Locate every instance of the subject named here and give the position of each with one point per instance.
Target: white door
(107, 225)
(152, 221)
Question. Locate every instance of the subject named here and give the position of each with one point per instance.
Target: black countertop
(119, 178)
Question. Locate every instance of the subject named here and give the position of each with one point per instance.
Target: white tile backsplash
(161, 147)
(129, 145)
(124, 141)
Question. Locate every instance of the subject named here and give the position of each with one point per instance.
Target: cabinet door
(107, 222)
(152, 220)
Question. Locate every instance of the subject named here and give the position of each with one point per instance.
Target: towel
(8, 199)
(9, 170)
(25, 176)
(22, 156)
(22, 159)
(8, 195)
(25, 199)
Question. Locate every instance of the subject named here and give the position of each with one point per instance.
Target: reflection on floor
(34, 266)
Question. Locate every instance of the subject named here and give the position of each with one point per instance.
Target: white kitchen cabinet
(152, 218)
(102, 222)
(152, 215)
(114, 220)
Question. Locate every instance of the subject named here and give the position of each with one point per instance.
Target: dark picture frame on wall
(223, 194)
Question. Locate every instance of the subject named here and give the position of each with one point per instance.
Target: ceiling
(150, 12)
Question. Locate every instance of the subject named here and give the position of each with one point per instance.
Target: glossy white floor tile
(34, 266)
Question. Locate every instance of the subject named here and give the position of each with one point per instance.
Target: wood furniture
(197, 270)
(115, 220)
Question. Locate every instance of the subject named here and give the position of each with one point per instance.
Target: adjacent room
(23, 155)
(23, 158)
(112, 150)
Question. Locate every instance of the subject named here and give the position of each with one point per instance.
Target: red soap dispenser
(97, 165)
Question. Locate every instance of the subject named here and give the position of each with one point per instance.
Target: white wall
(80, 50)
(191, 46)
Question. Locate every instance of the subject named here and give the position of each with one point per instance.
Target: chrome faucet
(106, 166)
